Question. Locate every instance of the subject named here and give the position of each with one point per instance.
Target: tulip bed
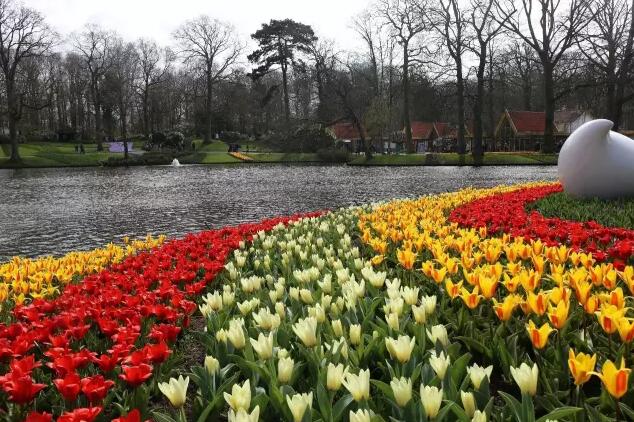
(99, 347)
(25, 278)
(457, 307)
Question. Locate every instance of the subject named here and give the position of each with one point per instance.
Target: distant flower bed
(505, 213)
(101, 344)
(25, 278)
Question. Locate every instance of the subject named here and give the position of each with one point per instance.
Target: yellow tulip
(581, 366)
(614, 379)
(537, 302)
(608, 317)
(488, 286)
(470, 299)
(406, 257)
(453, 289)
(538, 336)
(504, 310)
(559, 315)
(625, 327)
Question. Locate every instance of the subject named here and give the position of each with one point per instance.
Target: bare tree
(124, 70)
(406, 19)
(369, 30)
(484, 28)
(608, 44)
(324, 59)
(550, 31)
(449, 21)
(214, 45)
(154, 64)
(95, 46)
(23, 35)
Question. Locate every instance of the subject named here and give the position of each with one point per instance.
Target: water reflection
(51, 211)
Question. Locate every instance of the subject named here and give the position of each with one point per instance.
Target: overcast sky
(158, 18)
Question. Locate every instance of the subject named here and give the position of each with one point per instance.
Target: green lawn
(213, 146)
(453, 159)
(612, 213)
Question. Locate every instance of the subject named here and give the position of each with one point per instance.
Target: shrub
(333, 155)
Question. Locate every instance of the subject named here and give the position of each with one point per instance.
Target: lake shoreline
(400, 160)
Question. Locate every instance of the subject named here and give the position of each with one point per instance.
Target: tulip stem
(618, 411)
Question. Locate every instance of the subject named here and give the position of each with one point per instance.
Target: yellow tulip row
(509, 272)
(24, 278)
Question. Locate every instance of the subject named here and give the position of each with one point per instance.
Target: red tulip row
(111, 329)
(506, 213)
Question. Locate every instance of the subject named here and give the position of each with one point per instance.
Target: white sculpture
(597, 162)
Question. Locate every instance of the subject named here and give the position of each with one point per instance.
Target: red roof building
(345, 131)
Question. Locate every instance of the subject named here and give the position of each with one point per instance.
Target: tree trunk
(478, 151)
(146, 115)
(548, 145)
(287, 107)
(490, 107)
(460, 106)
(527, 92)
(623, 79)
(13, 116)
(406, 118)
(208, 131)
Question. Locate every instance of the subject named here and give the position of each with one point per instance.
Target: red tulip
(85, 414)
(38, 417)
(21, 389)
(136, 375)
(157, 353)
(132, 416)
(96, 388)
(69, 386)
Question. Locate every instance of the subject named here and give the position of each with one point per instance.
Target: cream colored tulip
(306, 330)
(402, 389)
(175, 390)
(410, 295)
(298, 404)
(431, 398)
(358, 385)
(285, 369)
(236, 333)
(468, 403)
(263, 346)
(477, 374)
(419, 314)
(240, 397)
(334, 376)
(438, 333)
(479, 416)
(401, 348)
(439, 363)
(392, 321)
(354, 333)
(212, 365)
(243, 416)
(526, 378)
(337, 327)
(361, 415)
(429, 303)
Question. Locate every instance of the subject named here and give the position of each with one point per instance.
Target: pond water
(52, 211)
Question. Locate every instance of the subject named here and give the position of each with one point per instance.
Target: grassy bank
(611, 213)
(452, 159)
